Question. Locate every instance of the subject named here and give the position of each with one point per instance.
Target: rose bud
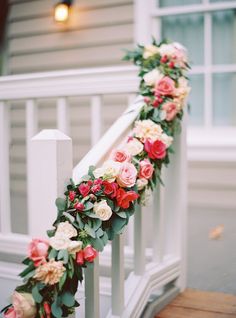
(93, 197)
(171, 64)
(47, 308)
(10, 313)
(79, 206)
(90, 253)
(72, 195)
(164, 59)
(80, 257)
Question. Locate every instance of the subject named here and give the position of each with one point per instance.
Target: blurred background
(94, 33)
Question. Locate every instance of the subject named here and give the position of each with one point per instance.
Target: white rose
(141, 183)
(59, 242)
(102, 210)
(75, 246)
(146, 198)
(167, 49)
(24, 305)
(166, 139)
(152, 77)
(134, 147)
(149, 51)
(66, 229)
(108, 171)
(147, 129)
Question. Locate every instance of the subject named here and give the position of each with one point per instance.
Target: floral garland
(99, 207)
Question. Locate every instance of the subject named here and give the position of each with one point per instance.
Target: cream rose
(75, 246)
(50, 273)
(66, 229)
(147, 129)
(182, 91)
(146, 198)
(152, 77)
(134, 147)
(167, 49)
(167, 140)
(141, 183)
(59, 242)
(108, 171)
(102, 210)
(24, 305)
(149, 51)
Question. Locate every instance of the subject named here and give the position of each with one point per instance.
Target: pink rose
(155, 149)
(171, 110)
(10, 313)
(146, 169)
(120, 155)
(166, 86)
(38, 251)
(84, 189)
(127, 176)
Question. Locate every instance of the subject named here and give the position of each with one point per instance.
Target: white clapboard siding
(79, 38)
(42, 7)
(84, 57)
(79, 20)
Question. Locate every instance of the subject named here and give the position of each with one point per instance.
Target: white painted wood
(109, 140)
(96, 119)
(31, 130)
(142, 22)
(208, 75)
(158, 224)
(118, 275)
(63, 116)
(139, 241)
(77, 82)
(175, 203)
(194, 8)
(92, 307)
(50, 173)
(5, 209)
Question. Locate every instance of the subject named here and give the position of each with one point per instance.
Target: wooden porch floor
(200, 304)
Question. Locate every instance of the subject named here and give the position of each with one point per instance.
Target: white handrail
(113, 136)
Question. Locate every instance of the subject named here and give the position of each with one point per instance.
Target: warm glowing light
(61, 13)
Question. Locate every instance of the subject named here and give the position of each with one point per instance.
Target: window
(208, 29)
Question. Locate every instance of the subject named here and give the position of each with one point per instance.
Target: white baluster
(158, 224)
(49, 173)
(139, 241)
(96, 119)
(92, 309)
(175, 203)
(118, 275)
(63, 120)
(31, 130)
(5, 212)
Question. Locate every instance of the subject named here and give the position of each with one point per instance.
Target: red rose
(90, 183)
(79, 206)
(146, 169)
(80, 257)
(90, 253)
(84, 189)
(110, 189)
(72, 195)
(125, 198)
(155, 149)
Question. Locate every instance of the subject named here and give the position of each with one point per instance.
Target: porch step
(200, 304)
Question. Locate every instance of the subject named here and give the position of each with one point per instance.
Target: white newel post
(50, 167)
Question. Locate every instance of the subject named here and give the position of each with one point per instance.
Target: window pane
(224, 101)
(223, 34)
(173, 3)
(221, 0)
(188, 30)
(196, 99)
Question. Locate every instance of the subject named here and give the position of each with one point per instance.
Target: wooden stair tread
(200, 304)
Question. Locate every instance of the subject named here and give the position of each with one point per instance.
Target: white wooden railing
(149, 269)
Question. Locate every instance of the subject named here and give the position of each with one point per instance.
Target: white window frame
(147, 23)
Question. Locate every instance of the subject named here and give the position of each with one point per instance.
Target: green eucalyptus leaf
(28, 269)
(88, 206)
(61, 204)
(97, 244)
(52, 253)
(99, 232)
(62, 281)
(69, 216)
(56, 309)
(68, 299)
(64, 255)
(121, 215)
(96, 224)
(36, 295)
(118, 224)
(87, 177)
(90, 231)
(79, 221)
